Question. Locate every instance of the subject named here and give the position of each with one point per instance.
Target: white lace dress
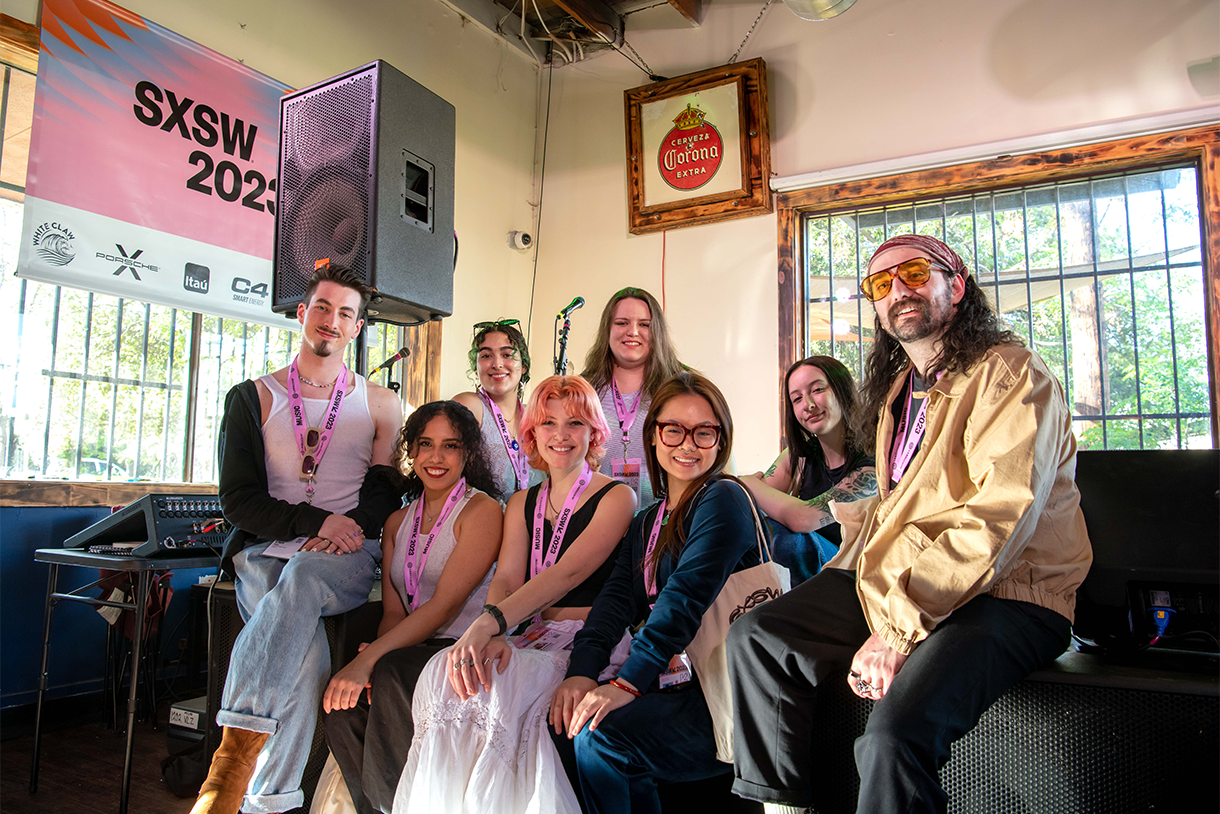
(491, 754)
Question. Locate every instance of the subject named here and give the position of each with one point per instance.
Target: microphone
(575, 304)
(403, 353)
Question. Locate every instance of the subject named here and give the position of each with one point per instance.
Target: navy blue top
(720, 541)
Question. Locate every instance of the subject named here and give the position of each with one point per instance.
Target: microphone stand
(561, 359)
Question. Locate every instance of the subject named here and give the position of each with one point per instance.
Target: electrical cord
(546, 129)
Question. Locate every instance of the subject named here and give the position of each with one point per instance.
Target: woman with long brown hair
(672, 564)
(825, 460)
(630, 358)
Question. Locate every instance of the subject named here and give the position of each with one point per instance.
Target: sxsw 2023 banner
(152, 166)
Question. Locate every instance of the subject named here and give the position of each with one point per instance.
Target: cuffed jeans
(280, 663)
(371, 743)
(657, 738)
(780, 652)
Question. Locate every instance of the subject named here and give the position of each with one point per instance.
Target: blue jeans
(803, 553)
(657, 738)
(280, 663)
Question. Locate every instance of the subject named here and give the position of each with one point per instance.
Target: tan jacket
(988, 505)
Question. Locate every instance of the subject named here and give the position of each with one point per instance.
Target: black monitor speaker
(1154, 521)
(366, 182)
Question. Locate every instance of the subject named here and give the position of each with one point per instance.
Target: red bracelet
(614, 682)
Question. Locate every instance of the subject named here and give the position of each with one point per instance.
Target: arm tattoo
(771, 471)
(860, 484)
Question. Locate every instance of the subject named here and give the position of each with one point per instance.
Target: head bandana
(936, 251)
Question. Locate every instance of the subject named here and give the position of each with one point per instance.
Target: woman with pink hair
(481, 741)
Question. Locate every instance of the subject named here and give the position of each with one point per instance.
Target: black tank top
(582, 595)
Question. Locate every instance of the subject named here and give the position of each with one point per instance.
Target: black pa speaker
(366, 182)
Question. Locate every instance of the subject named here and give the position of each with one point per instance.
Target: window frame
(1199, 146)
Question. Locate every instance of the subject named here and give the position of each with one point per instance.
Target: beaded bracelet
(494, 612)
(614, 682)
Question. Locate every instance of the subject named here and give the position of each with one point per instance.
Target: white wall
(888, 79)
(493, 88)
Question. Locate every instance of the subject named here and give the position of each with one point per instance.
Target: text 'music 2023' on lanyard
(516, 456)
(679, 670)
(301, 428)
(907, 442)
(417, 556)
(541, 560)
(626, 469)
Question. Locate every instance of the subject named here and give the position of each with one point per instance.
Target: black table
(143, 567)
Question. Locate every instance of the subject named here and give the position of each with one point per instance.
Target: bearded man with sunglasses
(956, 581)
(304, 460)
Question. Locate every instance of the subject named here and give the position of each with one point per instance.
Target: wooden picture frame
(698, 148)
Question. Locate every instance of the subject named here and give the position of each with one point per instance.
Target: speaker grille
(326, 182)
(1048, 748)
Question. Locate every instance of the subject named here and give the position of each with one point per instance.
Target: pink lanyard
(412, 573)
(539, 563)
(521, 467)
(901, 455)
(650, 577)
(626, 418)
(300, 425)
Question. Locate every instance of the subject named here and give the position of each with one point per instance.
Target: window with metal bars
(94, 387)
(1103, 276)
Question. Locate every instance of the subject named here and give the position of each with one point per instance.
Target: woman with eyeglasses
(437, 555)
(480, 708)
(650, 723)
(631, 356)
(824, 461)
(500, 363)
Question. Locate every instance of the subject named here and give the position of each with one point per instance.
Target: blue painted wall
(78, 633)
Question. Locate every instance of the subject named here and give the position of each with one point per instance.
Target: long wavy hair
(972, 331)
(476, 467)
(673, 534)
(803, 444)
(580, 400)
(515, 338)
(662, 356)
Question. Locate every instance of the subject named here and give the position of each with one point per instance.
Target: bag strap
(761, 532)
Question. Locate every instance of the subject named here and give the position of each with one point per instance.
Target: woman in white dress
(481, 737)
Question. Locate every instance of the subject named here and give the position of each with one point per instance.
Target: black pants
(780, 652)
(371, 744)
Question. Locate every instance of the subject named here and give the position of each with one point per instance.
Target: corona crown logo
(691, 152)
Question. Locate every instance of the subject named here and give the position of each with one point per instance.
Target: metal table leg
(145, 580)
(42, 673)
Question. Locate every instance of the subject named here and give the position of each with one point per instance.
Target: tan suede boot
(232, 768)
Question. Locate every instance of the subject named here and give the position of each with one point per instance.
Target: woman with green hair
(500, 363)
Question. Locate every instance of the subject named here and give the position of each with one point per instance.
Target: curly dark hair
(803, 445)
(972, 331)
(515, 338)
(476, 468)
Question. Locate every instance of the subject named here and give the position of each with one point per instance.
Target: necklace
(551, 505)
(315, 384)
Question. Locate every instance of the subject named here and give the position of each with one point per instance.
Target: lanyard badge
(312, 442)
(417, 558)
(516, 456)
(540, 560)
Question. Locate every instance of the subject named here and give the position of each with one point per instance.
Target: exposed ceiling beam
(595, 16)
(692, 10)
(487, 15)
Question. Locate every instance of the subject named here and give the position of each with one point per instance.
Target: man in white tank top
(304, 455)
